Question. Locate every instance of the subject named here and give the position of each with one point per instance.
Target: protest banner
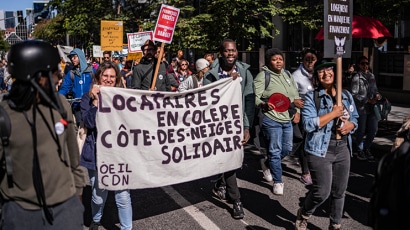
(136, 40)
(151, 139)
(111, 35)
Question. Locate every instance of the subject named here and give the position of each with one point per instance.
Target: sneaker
(361, 156)
(369, 155)
(94, 225)
(301, 221)
(266, 171)
(306, 179)
(238, 210)
(278, 189)
(335, 226)
(220, 192)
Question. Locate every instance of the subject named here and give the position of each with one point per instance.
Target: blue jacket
(81, 81)
(317, 138)
(88, 114)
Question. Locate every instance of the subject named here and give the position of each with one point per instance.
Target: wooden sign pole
(338, 79)
(159, 60)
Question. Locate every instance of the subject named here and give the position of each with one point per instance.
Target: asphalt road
(192, 206)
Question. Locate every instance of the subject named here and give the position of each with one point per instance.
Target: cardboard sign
(337, 19)
(134, 56)
(97, 52)
(111, 35)
(167, 20)
(136, 40)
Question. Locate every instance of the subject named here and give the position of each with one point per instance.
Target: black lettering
(206, 149)
(237, 124)
(162, 137)
(205, 120)
(189, 98)
(129, 105)
(223, 109)
(165, 153)
(235, 111)
(202, 98)
(196, 117)
(177, 155)
(118, 102)
(227, 144)
(122, 139)
(196, 146)
(167, 102)
(215, 95)
(228, 127)
(214, 115)
(103, 180)
(177, 104)
(115, 179)
(184, 118)
(181, 135)
(186, 156)
(135, 132)
(147, 138)
(195, 134)
(161, 118)
(156, 96)
(237, 142)
(218, 145)
(104, 141)
(146, 103)
(101, 108)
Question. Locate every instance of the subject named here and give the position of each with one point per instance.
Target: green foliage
(4, 45)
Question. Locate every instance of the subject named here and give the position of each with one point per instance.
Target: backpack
(390, 193)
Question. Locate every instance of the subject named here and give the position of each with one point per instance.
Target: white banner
(151, 139)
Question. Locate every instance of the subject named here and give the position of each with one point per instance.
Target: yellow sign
(134, 56)
(111, 35)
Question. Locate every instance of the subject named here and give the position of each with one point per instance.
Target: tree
(4, 45)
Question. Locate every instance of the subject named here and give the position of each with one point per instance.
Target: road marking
(197, 215)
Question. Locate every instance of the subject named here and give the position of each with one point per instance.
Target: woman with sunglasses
(182, 70)
(366, 95)
(328, 145)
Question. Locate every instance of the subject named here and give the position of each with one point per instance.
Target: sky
(14, 5)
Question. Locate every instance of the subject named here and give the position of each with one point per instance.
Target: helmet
(27, 58)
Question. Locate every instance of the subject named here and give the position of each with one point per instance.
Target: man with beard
(228, 66)
(143, 73)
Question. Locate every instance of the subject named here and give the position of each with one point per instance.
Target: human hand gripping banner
(151, 139)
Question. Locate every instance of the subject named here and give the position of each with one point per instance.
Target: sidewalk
(387, 129)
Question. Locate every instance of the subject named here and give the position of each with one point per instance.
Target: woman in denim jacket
(328, 157)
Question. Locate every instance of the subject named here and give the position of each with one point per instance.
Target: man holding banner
(224, 67)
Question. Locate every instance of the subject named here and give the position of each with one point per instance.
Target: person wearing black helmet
(43, 183)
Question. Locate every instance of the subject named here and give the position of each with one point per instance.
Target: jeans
(366, 122)
(330, 176)
(99, 197)
(279, 136)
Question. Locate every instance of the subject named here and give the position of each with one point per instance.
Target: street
(192, 205)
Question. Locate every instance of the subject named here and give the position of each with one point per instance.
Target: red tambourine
(280, 101)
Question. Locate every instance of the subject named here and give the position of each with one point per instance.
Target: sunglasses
(106, 57)
(364, 63)
(184, 64)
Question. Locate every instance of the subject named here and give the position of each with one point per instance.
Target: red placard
(167, 20)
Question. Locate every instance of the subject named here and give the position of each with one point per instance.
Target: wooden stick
(159, 60)
(338, 87)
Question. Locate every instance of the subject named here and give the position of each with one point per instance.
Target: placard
(111, 35)
(167, 20)
(136, 40)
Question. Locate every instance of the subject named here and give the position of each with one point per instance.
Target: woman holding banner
(328, 145)
(107, 75)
